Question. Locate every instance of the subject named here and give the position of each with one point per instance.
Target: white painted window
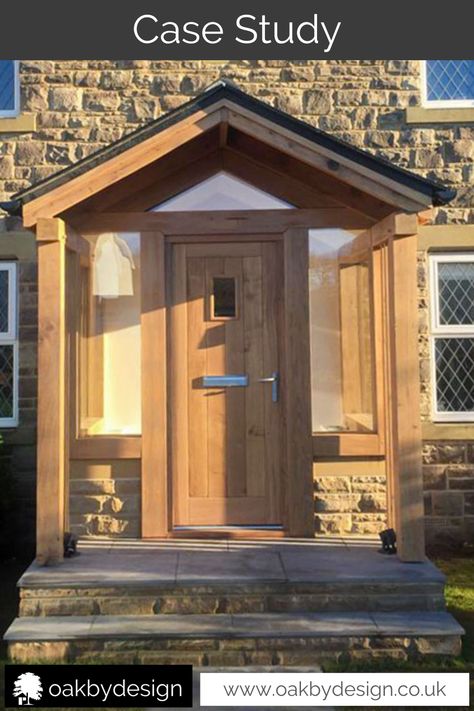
(447, 83)
(9, 88)
(223, 192)
(8, 345)
(452, 336)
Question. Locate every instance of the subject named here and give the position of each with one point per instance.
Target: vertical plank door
(225, 441)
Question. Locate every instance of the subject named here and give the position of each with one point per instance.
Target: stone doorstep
(244, 626)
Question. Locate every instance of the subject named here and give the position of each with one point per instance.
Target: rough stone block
(332, 484)
(447, 503)
(372, 503)
(130, 605)
(30, 652)
(434, 477)
(333, 523)
(64, 99)
(449, 646)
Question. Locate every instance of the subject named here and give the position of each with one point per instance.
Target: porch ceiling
(224, 128)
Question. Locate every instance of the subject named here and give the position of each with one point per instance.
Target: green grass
(460, 601)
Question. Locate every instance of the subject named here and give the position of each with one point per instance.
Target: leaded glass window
(8, 345)
(448, 82)
(452, 336)
(9, 88)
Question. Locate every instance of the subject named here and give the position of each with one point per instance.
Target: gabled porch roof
(225, 128)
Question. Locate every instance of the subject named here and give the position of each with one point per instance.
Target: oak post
(405, 400)
(297, 385)
(51, 235)
(154, 407)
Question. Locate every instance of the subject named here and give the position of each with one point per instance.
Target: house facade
(412, 115)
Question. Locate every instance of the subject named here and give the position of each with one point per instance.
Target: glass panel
(4, 305)
(450, 79)
(7, 85)
(456, 293)
(110, 352)
(223, 192)
(224, 297)
(7, 371)
(454, 359)
(341, 333)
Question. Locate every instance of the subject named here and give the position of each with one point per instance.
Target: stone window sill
(447, 430)
(18, 124)
(420, 114)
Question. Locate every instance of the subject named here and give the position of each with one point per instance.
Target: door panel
(225, 442)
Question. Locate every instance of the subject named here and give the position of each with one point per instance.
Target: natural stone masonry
(350, 504)
(219, 599)
(448, 475)
(109, 507)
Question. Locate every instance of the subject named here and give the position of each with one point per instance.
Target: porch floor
(191, 562)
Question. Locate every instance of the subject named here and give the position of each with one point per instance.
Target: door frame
(270, 252)
(297, 460)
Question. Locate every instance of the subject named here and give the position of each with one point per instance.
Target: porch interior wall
(105, 497)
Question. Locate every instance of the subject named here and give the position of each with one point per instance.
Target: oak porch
(330, 185)
(393, 245)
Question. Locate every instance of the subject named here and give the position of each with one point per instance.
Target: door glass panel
(224, 297)
(341, 332)
(109, 391)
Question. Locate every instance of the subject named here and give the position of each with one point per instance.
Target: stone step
(214, 598)
(233, 640)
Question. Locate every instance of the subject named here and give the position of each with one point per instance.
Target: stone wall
(350, 497)
(104, 498)
(448, 476)
(82, 106)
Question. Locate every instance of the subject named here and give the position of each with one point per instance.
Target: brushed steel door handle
(274, 379)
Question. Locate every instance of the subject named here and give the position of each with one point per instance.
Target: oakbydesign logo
(27, 687)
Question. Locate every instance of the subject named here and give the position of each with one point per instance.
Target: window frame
(10, 337)
(12, 113)
(439, 103)
(438, 330)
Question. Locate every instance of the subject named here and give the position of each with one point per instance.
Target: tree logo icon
(27, 687)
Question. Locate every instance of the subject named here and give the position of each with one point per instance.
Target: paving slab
(38, 629)
(133, 562)
(101, 568)
(412, 624)
(238, 565)
(307, 624)
(183, 626)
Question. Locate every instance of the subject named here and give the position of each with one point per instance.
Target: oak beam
(297, 385)
(51, 391)
(221, 221)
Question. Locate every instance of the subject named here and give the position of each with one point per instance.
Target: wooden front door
(226, 437)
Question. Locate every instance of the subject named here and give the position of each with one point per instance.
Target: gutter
(12, 207)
